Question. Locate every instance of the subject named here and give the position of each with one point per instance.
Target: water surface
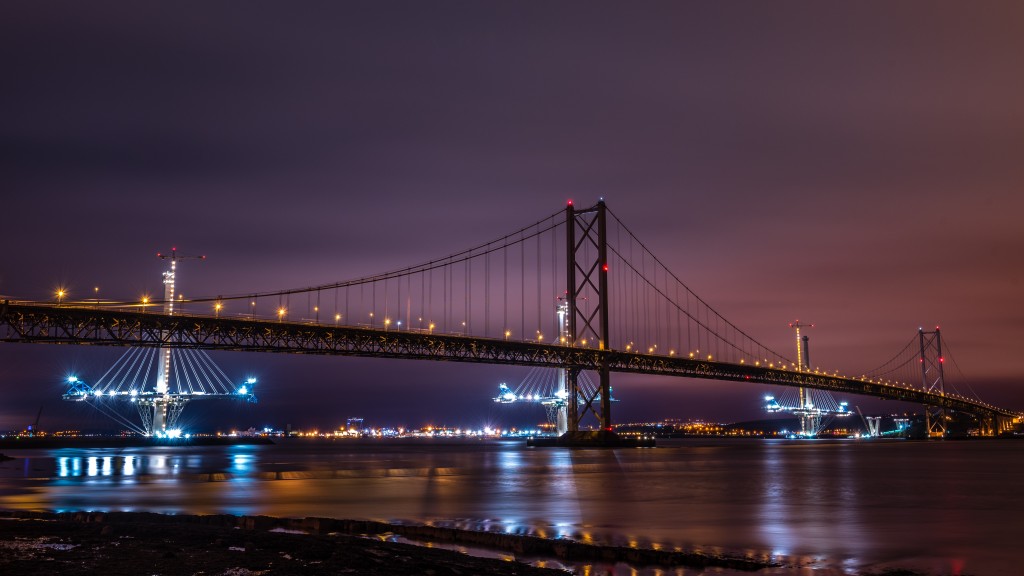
(820, 507)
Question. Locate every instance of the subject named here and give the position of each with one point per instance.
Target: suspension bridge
(623, 310)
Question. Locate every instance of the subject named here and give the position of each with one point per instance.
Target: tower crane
(809, 420)
(169, 276)
(803, 356)
(34, 428)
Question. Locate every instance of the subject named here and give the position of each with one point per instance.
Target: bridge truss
(36, 323)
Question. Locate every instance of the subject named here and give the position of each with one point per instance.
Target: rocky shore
(134, 544)
(117, 543)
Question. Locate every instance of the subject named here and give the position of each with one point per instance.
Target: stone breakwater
(519, 545)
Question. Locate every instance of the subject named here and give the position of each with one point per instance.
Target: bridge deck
(40, 323)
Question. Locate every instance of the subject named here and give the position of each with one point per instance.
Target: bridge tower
(586, 300)
(932, 380)
(163, 409)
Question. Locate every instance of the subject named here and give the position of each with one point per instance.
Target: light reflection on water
(836, 507)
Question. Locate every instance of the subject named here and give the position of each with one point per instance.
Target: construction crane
(803, 355)
(810, 420)
(34, 428)
(169, 276)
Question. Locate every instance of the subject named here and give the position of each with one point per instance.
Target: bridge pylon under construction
(812, 407)
(549, 387)
(178, 376)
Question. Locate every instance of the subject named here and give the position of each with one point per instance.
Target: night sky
(858, 165)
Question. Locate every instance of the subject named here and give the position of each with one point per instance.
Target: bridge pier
(997, 425)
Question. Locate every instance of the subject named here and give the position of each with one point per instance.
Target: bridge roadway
(77, 324)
